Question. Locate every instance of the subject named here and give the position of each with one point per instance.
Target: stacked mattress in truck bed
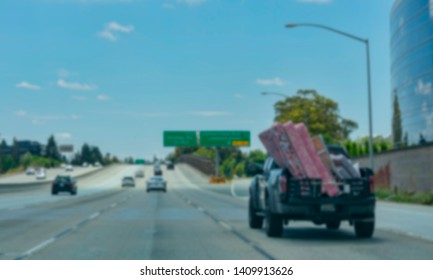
(291, 146)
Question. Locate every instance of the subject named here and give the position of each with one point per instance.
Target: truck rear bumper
(328, 209)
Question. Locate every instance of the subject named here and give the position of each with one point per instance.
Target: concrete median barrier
(16, 187)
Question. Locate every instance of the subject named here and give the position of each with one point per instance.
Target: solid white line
(224, 225)
(200, 209)
(94, 215)
(16, 208)
(113, 205)
(232, 189)
(39, 247)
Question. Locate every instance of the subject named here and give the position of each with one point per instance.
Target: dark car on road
(128, 181)
(157, 170)
(170, 165)
(64, 184)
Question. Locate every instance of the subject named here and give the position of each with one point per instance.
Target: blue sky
(116, 73)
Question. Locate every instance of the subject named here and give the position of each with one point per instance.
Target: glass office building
(412, 71)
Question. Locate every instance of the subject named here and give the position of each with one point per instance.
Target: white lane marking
(94, 215)
(232, 189)
(113, 205)
(200, 209)
(226, 226)
(16, 208)
(39, 246)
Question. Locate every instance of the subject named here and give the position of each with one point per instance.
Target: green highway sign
(139, 161)
(180, 139)
(225, 138)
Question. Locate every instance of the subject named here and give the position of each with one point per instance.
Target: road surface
(193, 220)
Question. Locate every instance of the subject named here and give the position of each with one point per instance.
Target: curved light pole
(275, 93)
(367, 45)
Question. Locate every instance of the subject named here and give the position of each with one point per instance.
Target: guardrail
(16, 187)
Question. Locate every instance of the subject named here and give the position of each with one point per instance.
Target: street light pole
(367, 44)
(275, 93)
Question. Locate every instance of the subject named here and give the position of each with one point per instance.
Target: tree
(26, 160)
(405, 140)
(256, 156)
(96, 155)
(115, 159)
(52, 151)
(86, 155)
(397, 131)
(15, 151)
(76, 160)
(422, 140)
(319, 113)
(8, 163)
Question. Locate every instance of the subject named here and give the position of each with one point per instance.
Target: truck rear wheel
(254, 220)
(364, 229)
(334, 225)
(274, 224)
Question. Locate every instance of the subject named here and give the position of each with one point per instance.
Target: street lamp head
(291, 25)
(264, 93)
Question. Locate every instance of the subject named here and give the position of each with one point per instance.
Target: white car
(41, 175)
(69, 168)
(156, 183)
(85, 164)
(30, 171)
(139, 173)
(97, 164)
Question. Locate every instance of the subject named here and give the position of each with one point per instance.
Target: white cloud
(113, 28)
(79, 97)
(424, 88)
(102, 97)
(74, 86)
(424, 107)
(315, 1)
(140, 114)
(27, 85)
(239, 96)
(21, 113)
(210, 113)
(75, 117)
(108, 35)
(168, 6)
(277, 81)
(430, 4)
(62, 136)
(191, 2)
(104, 1)
(63, 73)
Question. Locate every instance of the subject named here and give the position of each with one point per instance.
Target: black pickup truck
(276, 197)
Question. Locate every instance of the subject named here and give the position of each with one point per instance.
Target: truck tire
(334, 225)
(364, 229)
(254, 220)
(274, 225)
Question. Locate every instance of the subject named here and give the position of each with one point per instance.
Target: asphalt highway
(193, 220)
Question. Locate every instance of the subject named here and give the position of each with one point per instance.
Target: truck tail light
(283, 184)
(371, 181)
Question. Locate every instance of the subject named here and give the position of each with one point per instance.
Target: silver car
(139, 173)
(128, 181)
(156, 183)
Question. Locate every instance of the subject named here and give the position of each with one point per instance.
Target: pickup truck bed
(277, 197)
